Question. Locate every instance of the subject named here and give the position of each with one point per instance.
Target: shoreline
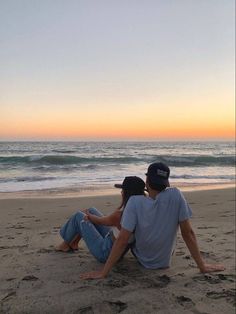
(101, 191)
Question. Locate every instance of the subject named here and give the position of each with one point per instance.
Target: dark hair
(126, 195)
(156, 186)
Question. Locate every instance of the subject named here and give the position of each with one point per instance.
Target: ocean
(80, 166)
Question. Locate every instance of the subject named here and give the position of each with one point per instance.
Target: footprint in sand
(208, 240)
(228, 277)
(207, 278)
(230, 232)
(67, 281)
(182, 300)
(215, 279)
(114, 283)
(229, 295)
(10, 279)
(30, 278)
(159, 282)
(179, 253)
(4, 247)
(8, 295)
(103, 307)
(45, 250)
(18, 227)
(207, 254)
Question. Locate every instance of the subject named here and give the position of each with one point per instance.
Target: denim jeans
(98, 238)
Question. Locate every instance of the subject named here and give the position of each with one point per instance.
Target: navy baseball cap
(159, 173)
(132, 183)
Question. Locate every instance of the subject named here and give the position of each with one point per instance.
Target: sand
(36, 279)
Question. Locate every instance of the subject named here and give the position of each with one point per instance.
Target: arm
(191, 242)
(111, 220)
(116, 252)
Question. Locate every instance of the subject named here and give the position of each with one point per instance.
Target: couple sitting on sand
(147, 225)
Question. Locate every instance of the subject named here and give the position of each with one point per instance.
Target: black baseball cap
(132, 183)
(159, 173)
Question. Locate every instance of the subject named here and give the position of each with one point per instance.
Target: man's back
(155, 224)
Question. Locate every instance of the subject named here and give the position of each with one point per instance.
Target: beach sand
(36, 279)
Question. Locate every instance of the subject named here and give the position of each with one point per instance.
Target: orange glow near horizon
(114, 128)
(175, 120)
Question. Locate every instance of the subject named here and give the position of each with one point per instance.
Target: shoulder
(171, 195)
(174, 192)
(135, 201)
(137, 198)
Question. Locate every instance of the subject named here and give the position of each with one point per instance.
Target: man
(154, 220)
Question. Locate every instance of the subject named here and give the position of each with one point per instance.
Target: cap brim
(119, 186)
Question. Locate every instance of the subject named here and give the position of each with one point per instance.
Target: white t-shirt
(155, 224)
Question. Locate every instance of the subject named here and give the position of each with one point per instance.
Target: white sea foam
(48, 165)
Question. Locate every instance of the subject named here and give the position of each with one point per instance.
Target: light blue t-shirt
(155, 225)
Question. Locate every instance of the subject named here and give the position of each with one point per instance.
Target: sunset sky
(83, 69)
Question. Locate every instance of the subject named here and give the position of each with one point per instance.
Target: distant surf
(49, 165)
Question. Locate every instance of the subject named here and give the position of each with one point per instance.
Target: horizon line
(121, 140)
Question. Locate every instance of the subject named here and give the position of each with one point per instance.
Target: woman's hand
(86, 217)
(208, 268)
(93, 275)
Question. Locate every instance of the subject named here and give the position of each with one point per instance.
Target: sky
(88, 69)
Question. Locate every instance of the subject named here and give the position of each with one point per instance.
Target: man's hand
(118, 248)
(208, 268)
(93, 275)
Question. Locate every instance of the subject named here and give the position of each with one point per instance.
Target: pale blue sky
(85, 56)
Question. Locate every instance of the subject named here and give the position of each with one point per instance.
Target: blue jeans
(98, 238)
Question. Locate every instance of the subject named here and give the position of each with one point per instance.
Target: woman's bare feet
(75, 242)
(74, 246)
(63, 247)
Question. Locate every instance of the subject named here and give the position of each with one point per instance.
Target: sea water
(34, 166)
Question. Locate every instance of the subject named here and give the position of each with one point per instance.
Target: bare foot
(63, 247)
(74, 246)
(75, 242)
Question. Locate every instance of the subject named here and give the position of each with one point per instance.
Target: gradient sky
(116, 69)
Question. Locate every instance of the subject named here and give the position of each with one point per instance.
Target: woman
(99, 232)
